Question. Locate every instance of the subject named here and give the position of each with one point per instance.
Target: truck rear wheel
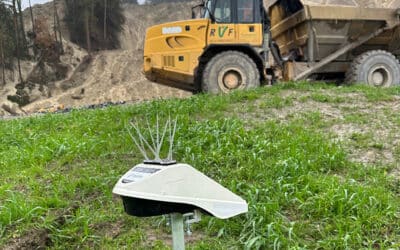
(230, 70)
(376, 68)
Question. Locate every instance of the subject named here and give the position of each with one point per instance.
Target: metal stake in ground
(178, 236)
(151, 187)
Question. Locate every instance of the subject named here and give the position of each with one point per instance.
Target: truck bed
(331, 27)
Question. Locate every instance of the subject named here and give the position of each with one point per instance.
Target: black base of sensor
(147, 208)
(162, 162)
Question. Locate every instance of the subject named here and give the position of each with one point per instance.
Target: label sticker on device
(171, 30)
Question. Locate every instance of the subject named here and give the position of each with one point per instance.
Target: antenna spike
(142, 138)
(151, 133)
(154, 143)
(162, 140)
(141, 149)
(158, 136)
(172, 138)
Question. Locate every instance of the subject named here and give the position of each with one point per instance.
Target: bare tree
(74, 13)
(97, 21)
(91, 18)
(33, 22)
(17, 40)
(33, 28)
(24, 42)
(57, 26)
(87, 31)
(3, 65)
(105, 21)
(54, 20)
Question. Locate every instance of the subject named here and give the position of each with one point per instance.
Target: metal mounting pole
(178, 236)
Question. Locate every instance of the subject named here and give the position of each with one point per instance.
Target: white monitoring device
(163, 187)
(150, 190)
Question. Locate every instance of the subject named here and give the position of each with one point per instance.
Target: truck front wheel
(230, 70)
(376, 68)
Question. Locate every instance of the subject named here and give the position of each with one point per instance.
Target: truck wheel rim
(230, 79)
(379, 76)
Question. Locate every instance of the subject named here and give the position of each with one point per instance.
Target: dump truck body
(295, 39)
(320, 28)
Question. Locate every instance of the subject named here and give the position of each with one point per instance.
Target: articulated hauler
(239, 44)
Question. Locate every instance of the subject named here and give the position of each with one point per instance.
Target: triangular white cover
(180, 183)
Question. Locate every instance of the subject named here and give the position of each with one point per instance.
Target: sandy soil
(110, 76)
(7, 107)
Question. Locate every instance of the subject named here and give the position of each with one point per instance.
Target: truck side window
(245, 11)
(222, 11)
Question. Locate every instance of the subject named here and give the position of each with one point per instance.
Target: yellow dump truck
(238, 44)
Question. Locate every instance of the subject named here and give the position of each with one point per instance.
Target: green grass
(275, 101)
(303, 189)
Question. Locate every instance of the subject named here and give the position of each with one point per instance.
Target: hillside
(317, 164)
(111, 76)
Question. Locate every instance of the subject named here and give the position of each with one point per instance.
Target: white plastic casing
(180, 183)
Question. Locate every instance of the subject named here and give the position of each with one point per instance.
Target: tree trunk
(74, 12)
(105, 23)
(58, 27)
(3, 65)
(91, 17)
(17, 40)
(24, 43)
(33, 28)
(91, 20)
(33, 22)
(87, 29)
(55, 20)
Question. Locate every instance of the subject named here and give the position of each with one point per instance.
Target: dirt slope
(138, 18)
(110, 76)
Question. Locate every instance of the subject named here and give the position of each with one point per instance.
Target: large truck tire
(376, 68)
(230, 70)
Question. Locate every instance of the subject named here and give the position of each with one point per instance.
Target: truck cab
(222, 50)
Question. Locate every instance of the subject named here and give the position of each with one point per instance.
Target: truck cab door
(236, 22)
(249, 27)
(222, 30)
